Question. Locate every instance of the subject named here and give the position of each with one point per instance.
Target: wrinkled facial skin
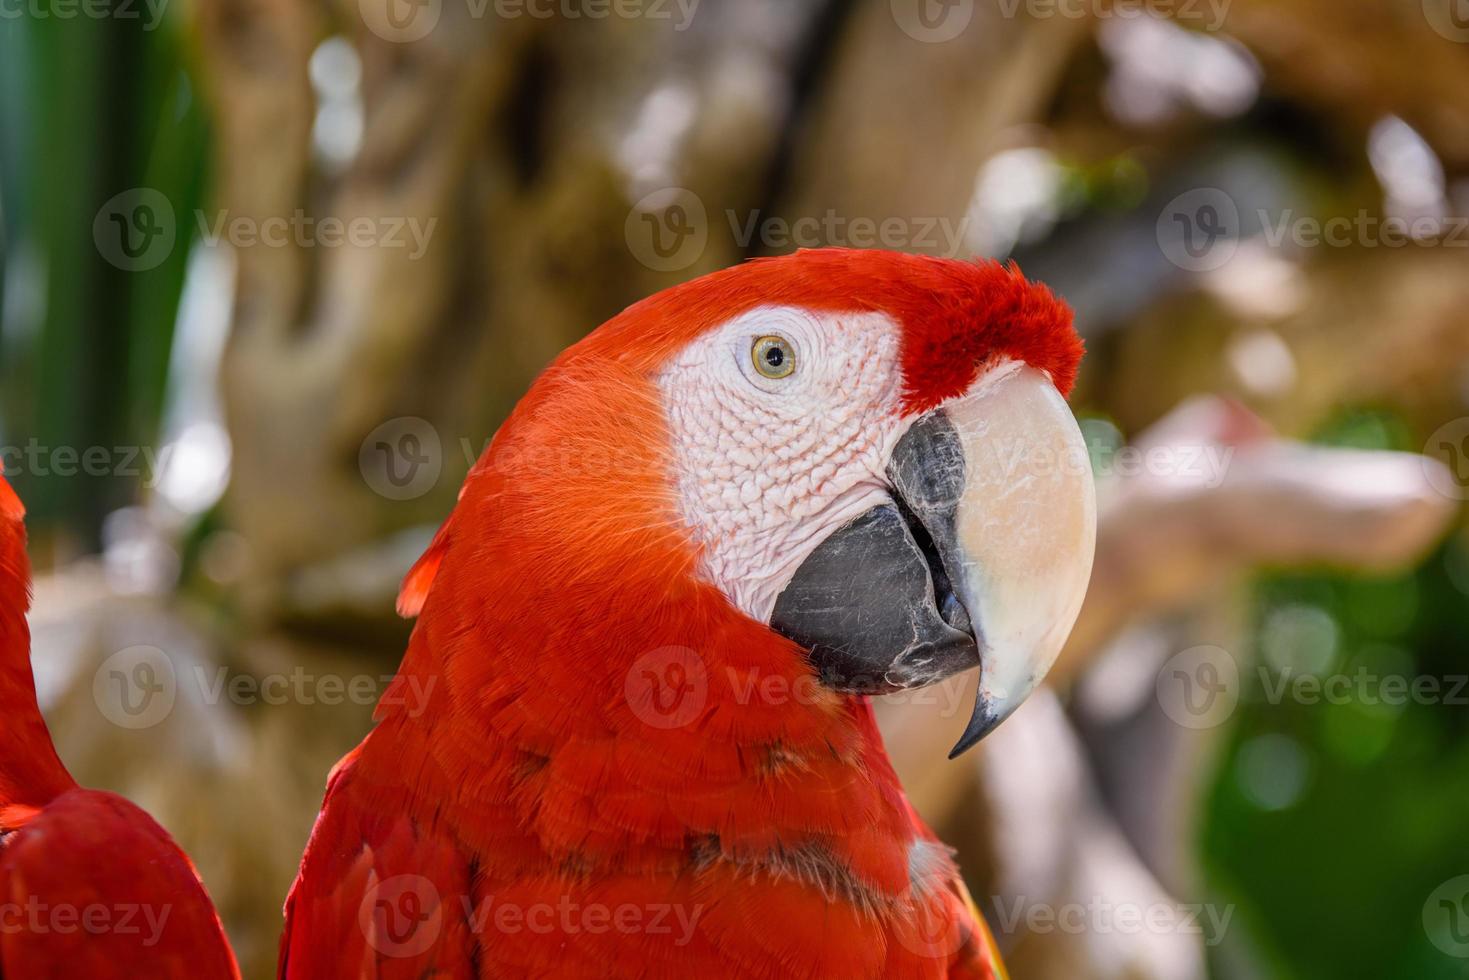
(769, 468)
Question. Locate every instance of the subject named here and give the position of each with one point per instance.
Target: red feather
(572, 728)
(955, 315)
(90, 885)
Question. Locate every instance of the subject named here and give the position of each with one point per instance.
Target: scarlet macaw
(90, 885)
(650, 626)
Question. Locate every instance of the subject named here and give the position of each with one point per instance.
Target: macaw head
(865, 454)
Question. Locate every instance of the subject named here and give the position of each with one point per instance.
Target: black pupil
(774, 356)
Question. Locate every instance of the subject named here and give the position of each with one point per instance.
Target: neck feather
(642, 725)
(588, 699)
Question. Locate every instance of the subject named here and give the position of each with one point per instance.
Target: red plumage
(90, 885)
(517, 767)
(955, 315)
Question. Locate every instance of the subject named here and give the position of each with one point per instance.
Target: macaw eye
(774, 357)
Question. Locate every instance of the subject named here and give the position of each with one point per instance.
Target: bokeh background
(273, 270)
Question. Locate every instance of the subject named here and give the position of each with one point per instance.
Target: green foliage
(1333, 818)
(91, 108)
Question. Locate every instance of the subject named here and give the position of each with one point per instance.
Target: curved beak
(980, 557)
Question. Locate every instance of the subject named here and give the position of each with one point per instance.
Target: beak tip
(984, 720)
(963, 745)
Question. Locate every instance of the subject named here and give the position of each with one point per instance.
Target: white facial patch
(769, 467)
